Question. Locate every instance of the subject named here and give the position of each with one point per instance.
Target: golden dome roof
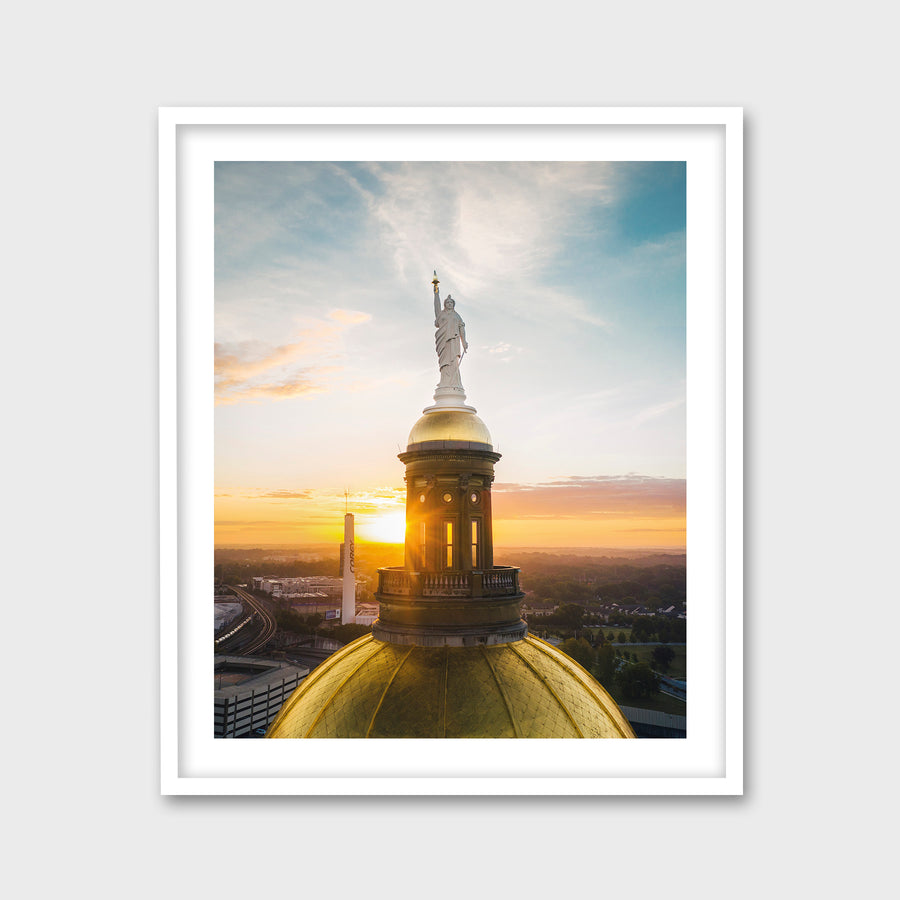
(449, 424)
(525, 688)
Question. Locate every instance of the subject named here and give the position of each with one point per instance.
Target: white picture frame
(709, 761)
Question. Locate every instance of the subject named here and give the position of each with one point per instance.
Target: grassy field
(660, 702)
(678, 666)
(677, 669)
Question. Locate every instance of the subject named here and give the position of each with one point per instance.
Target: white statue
(450, 334)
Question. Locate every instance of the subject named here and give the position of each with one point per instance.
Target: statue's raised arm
(449, 338)
(437, 299)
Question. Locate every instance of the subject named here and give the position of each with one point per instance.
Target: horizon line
(336, 546)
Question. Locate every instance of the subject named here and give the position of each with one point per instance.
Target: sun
(389, 528)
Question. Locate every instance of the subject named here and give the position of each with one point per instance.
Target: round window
(421, 498)
(474, 497)
(448, 497)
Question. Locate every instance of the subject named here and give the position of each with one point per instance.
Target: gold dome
(373, 689)
(449, 425)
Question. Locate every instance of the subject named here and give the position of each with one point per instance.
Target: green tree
(663, 657)
(292, 622)
(638, 681)
(580, 650)
(349, 632)
(605, 665)
(641, 631)
(620, 637)
(571, 615)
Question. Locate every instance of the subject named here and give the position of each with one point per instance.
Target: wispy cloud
(367, 501)
(280, 524)
(285, 495)
(252, 370)
(489, 225)
(503, 352)
(349, 316)
(374, 500)
(285, 389)
(655, 411)
(592, 497)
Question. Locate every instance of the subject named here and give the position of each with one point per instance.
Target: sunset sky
(570, 278)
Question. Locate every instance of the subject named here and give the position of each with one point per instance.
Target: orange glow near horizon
(389, 528)
(242, 521)
(628, 532)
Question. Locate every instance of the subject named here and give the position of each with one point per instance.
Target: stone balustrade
(500, 581)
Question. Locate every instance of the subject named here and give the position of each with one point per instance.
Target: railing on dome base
(499, 581)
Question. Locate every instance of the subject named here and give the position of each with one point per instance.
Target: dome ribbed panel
(579, 692)
(327, 703)
(412, 705)
(538, 711)
(352, 709)
(475, 704)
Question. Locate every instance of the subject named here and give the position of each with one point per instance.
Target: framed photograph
(563, 286)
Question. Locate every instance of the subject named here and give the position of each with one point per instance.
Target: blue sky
(570, 278)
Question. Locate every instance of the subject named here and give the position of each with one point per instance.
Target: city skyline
(570, 278)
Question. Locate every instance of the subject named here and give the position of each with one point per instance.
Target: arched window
(423, 543)
(476, 544)
(448, 544)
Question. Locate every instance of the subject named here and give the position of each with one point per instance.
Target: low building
(250, 691)
(319, 585)
(366, 613)
(538, 609)
(308, 606)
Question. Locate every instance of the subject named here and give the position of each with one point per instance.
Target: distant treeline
(548, 577)
(242, 564)
(545, 561)
(571, 617)
(295, 623)
(231, 571)
(661, 585)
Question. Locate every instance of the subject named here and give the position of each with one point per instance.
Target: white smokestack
(348, 603)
